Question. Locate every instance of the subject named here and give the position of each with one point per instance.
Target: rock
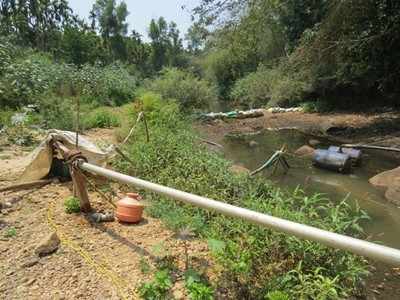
(48, 245)
(31, 281)
(389, 180)
(393, 195)
(253, 144)
(305, 151)
(239, 169)
(7, 205)
(386, 179)
(313, 142)
(30, 263)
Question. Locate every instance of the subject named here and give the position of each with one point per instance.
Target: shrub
(267, 85)
(109, 85)
(101, 117)
(57, 112)
(72, 205)
(25, 79)
(189, 91)
(316, 106)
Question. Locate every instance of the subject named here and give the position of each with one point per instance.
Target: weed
(197, 288)
(11, 232)
(72, 205)
(158, 288)
(101, 117)
(145, 268)
(276, 295)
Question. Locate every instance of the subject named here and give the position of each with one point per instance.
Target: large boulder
(389, 180)
(305, 151)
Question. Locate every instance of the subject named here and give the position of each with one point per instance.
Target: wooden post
(80, 190)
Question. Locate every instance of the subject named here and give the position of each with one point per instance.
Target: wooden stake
(80, 190)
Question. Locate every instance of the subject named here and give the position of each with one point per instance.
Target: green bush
(317, 106)
(251, 256)
(57, 112)
(25, 79)
(189, 91)
(267, 86)
(109, 85)
(72, 205)
(102, 117)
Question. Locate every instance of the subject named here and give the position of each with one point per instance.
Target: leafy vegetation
(189, 91)
(72, 205)
(158, 288)
(254, 261)
(10, 232)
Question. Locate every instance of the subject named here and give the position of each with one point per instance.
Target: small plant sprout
(72, 205)
(158, 288)
(185, 235)
(11, 232)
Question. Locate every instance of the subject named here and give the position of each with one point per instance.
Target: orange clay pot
(129, 208)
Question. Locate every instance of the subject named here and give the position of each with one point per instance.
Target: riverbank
(343, 127)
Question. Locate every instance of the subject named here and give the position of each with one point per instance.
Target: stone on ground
(48, 245)
(314, 142)
(305, 151)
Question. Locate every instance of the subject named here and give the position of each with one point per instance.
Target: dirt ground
(94, 260)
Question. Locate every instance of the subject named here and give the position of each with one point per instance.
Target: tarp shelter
(41, 158)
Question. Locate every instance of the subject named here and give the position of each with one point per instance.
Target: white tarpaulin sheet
(41, 158)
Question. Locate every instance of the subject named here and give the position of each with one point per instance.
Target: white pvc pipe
(331, 239)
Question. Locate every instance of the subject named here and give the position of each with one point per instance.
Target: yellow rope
(102, 270)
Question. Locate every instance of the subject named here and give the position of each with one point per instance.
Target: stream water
(384, 225)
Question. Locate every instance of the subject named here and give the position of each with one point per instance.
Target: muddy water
(384, 225)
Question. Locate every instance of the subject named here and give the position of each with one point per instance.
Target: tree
(166, 44)
(196, 37)
(36, 22)
(111, 22)
(158, 33)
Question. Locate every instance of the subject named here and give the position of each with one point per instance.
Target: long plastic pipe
(334, 240)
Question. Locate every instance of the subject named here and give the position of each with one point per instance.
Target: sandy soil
(94, 260)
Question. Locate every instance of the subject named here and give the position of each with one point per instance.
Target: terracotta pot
(129, 208)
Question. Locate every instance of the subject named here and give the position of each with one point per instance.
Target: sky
(141, 12)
